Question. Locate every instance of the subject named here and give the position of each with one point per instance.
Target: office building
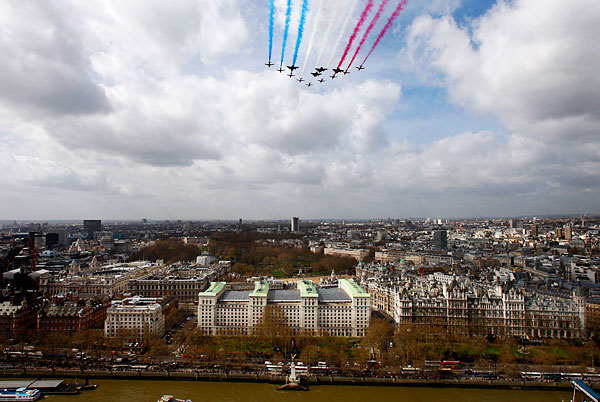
(91, 226)
(440, 240)
(339, 311)
(295, 224)
(135, 318)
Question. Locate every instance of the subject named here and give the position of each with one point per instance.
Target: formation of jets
(317, 73)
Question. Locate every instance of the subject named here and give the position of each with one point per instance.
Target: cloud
(524, 62)
(155, 109)
(183, 119)
(44, 66)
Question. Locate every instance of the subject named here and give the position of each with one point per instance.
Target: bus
(551, 376)
(531, 375)
(592, 377)
(274, 369)
(450, 364)
(301, 369)
(571, 376)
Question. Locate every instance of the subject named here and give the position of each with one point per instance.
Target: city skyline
(147, 110)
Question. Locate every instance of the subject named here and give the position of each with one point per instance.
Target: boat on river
(171, 398)
(19, 394)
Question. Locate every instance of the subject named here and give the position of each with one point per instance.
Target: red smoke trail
(386, 27)
(371, 25)
(361, 21)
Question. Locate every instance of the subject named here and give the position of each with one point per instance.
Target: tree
(379, 334)
(408, 345)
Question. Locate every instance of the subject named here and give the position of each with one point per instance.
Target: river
(150, 391)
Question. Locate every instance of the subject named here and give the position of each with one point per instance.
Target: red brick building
(16, 317)
(71, 316)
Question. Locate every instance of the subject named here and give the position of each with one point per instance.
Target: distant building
(357, 253)
(381, 235)
(568, 232)
(183, 282)
(107, 242)
(341, 311)
(534, 230)
(295, 224)
(440, 240)
(92, 226)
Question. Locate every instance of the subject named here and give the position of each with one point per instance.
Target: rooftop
(214, 289)
(330, 295)
(261, 289)
(235, 296)
(352, 287)
(284, 295)
(307, 289)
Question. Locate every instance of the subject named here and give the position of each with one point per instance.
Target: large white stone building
(339, 311)
(135, 318)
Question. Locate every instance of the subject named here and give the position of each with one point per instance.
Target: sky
(165, 110)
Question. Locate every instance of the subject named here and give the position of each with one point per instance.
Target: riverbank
(90, 375)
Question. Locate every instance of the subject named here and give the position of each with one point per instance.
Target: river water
(150, 391)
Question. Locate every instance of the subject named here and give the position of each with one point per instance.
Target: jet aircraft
(309, 84)
(338, 70)
(292, 67)
(300, 79)
(291, 75)
(360, 67)
(320, 69)
(281, 70)
(268, 64)
(321, 80)
(346, 72)
(315, 74)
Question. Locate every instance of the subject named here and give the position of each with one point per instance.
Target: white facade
(136, 317)
(340, 311)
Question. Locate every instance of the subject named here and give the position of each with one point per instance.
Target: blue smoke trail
(288, 14)
(300, 29)
(271, 13)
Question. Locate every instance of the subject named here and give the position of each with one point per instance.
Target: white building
(135, 317)
(340, 311)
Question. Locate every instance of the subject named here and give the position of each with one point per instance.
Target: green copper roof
(307, 289)
(352, 287)
(214, 289)
(261, 289)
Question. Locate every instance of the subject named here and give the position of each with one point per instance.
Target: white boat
(171, 398)
(19, 394)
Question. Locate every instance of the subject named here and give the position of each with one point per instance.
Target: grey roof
(14, 384)
(283, 295)
(328, 295)
(46, 384)
(235, 295)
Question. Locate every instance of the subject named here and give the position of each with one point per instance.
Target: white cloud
(127, 109)
(529, 62)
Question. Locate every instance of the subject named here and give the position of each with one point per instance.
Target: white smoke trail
(315, 28)
(343, 31)
(325, 41)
